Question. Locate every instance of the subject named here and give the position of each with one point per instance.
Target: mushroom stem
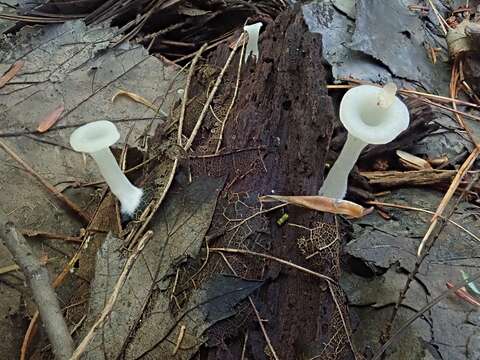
(371, 115)
(335, 185)
(95, 139)
(253, 32)
(128, 195)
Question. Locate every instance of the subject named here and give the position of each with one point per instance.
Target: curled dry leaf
(412, 161)
(10, 74)
(48, 121)
(136, 98)
(322, 203)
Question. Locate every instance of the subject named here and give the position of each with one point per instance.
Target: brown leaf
(10, 74)
(322, 203)
(136, 98)
(48, 121)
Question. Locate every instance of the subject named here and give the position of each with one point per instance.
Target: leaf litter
(147, 298)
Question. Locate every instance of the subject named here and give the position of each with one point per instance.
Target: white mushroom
(253, 32)
(371, 115)
(95, 139)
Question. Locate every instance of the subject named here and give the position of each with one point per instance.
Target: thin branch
(257, 314)
(281, 261)
(38, 280)
(422, 311)
(448, 195)
(113, 297)
(234, 97)
(70, 204)
(406, 207)
(212, 95)
(155, 205)
(185, 93)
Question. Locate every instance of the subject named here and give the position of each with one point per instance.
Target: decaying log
(275, 141)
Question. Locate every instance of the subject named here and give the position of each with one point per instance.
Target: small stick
(244, 349)
(38, 280)
(450, 109)
(157, 204)
(113, 297)
(233, 98)
(185, 93)
(420, 312)
(32, 327)
(406, 207)
(211, 96)
(179, 339)
(410, 93)
(448, 195)
(49, 235)
(281, 261)
(441, 20)
(74, 207)
(255, 310)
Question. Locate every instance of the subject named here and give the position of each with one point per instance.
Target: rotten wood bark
(38, 281)
(393, 179)
(397, 179)
(276, 141)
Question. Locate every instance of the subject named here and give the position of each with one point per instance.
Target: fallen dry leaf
(10, 74)
(136, 98)
(322, 203)
(48, 121)
(412, 161)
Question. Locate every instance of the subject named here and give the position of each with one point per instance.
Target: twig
(185, 93)
(422, 311)
(179, 339)
(441, 20)
(157, 203)
(74, 207)
(257, 314)
(233, 99)
(448, 195)
(38, 280)
(405, 207)
(211, 95)
(49, 235)
(455, 111)
(113, 297)
(244, 348)
(344, 323)
(418, 263)
(281, 261)
(410, 93)
(243, 221)
(225, 153)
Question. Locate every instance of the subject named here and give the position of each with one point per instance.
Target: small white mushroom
(371, 115)
(95, 139)
(253, 32)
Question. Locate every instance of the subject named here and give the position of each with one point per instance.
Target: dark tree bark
(282, 122)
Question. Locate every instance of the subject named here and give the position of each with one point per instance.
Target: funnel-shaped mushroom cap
(362, 114)
(94, 137)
